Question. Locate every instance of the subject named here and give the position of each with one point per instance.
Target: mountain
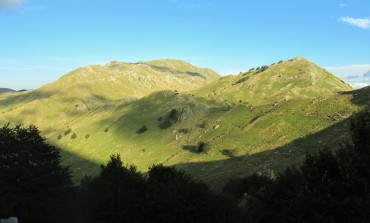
(86, 88)
(171, 112)
(294, 78)
(5, 90)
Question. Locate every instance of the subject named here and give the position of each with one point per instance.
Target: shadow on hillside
(27, 97)
(217, 173)
(79, 166)
(173, 71)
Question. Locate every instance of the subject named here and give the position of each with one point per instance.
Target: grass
(242, 125)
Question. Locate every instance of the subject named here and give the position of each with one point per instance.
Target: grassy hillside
(6, 90)
(282, 81)
(216, 129)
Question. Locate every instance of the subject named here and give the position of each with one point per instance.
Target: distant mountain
(212, 127)
(4, 90)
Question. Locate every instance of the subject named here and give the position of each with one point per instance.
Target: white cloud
(363, 23)
(367, 74)
(359, 84)
(353, 74)
(349, 70)
(342, 5)
(11, 4)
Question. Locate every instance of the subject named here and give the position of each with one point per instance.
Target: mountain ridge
(230, 119)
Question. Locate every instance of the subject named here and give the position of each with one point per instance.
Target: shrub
(142, 129)
(184, 130)
(106, 129)
(228, 152)
(241, 80)
(263, 68)
(87, 136)
(166, 124)
(67, 131)
(202, 125)
(73, 136)
(174, 114)
(59, 136)
(201, 147)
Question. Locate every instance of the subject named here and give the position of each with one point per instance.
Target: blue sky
(42, 40)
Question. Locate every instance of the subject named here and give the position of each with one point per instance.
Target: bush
(166, 124)
(59, 137)
(174, 114)
(241, 80)
(87, 136)
(202, 125)
(67, 131)
(263, 68)
(106, 129)
(73, 136)
(201, 147)
(142, 129)
(184, 130)
(228, 152)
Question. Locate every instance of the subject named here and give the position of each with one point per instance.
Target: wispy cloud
(359, 84)
(356, 75)
(11, 4)
(367, 74)
(353, 77)
(349, 70)
(18, 65)
(342, 5)
(363, 23)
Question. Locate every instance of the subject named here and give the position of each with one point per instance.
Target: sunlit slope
(235, 136)
(294, 78)
(227, 128)
(87, 88)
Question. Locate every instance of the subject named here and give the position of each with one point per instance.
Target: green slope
(265, 122)
(294, 78)
(6, 90)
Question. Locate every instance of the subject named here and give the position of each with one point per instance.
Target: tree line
(328, 187)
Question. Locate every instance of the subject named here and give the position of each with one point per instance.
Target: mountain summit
(117, 80)
(173, 113)
(297, 77)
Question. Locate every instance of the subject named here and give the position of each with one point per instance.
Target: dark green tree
(328, 187)
(115, 195)
(175, 197)
(34, 186)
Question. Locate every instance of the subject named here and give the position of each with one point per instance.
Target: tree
(115, 195)
(34, 186)
(328, 187)
(175, 197)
